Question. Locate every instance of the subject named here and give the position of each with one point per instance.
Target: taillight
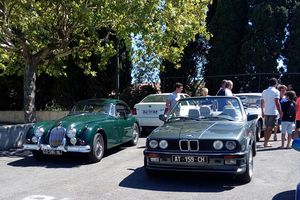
(133, 111)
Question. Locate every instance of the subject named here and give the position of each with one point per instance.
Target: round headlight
(39, 132)
(230, 145)
(153, 144)
(218, 144)
(73, 140)
(34, 139)
(71, 132)
(163, 144)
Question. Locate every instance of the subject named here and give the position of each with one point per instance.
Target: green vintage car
(204, 134)
(92, 127)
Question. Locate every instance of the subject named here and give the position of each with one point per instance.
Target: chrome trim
(188, 145)
(80, 149)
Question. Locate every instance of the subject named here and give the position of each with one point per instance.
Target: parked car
(296, 146)
(251, 102)
(148, 110)
(92, 127)
(205, 134)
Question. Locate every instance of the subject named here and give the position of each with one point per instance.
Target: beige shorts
(271, 120)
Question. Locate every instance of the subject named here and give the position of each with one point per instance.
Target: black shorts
(297, 123)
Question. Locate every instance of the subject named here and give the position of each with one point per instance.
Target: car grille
(189, 145)
(57, 136)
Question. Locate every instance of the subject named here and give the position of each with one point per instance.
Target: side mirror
(251, 117)
(162, 117)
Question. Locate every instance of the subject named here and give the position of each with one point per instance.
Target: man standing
(270, 107)
(173, 97)
(228, 88)
(221, 91)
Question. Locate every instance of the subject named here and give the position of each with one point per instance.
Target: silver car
(251, 103)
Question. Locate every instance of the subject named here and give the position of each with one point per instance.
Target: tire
(136, 135)
(247, 176)
(258, 131)
(38, 155)
(254, 150)
(98, 148)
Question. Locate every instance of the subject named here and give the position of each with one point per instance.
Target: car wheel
(97, 150)
(136, 135)
(258, 131)
(247, 176)
(38, 155)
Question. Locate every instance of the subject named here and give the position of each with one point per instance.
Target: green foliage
(227, 22)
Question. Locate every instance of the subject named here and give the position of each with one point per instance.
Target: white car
(251, 102)
(148, 110)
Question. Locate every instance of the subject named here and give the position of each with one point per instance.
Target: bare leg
(267, 135)
(276, 128)
(289, 141)
(282, 140)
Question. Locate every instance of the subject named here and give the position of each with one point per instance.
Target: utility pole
(118, 71)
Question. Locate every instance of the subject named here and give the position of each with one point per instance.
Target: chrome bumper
(80, 149)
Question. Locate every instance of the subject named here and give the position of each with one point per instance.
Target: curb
(13, 136)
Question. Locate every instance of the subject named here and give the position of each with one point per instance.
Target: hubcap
(98, 149)
(250, 164)
(135, 134)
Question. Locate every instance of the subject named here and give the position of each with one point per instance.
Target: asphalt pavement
(121, 176)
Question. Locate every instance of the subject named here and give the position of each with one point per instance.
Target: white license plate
(190, 159)
(52, 152)
(150, 112)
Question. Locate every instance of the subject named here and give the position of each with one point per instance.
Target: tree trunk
(29, 92)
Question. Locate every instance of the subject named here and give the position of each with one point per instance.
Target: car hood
(199, 130)
(75, 120)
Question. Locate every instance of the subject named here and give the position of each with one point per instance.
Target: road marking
(42, 197)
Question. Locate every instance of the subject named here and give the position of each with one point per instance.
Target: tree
(190, 71)
(227, 22)
(262, 45)
(292, 46)
(35, 34)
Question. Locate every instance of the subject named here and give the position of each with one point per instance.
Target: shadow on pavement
(179, 181)
(69, 160)
(286, 195)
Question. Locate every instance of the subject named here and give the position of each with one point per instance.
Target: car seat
(193, 113)
(205, 111)
(229, 110)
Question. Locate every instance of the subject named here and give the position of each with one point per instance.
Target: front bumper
(79, 149)
(234, 163)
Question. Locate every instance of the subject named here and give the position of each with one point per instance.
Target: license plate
(52, 152)
(189, 159)
(150, 112)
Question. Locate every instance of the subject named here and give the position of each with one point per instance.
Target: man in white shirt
(270, 107)
(173, 97)
(228, 88)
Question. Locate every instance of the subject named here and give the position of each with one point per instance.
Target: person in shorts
(282, 90)
(270, 108)
(296, 134)
(288, 118)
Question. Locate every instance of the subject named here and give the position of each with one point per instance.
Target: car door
(125, 122)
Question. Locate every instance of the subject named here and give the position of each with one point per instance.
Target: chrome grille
(189, 145)
(57, 136)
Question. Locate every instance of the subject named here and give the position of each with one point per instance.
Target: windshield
(250, 100)
(92, 106)
(207, 108)
(155, 98)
